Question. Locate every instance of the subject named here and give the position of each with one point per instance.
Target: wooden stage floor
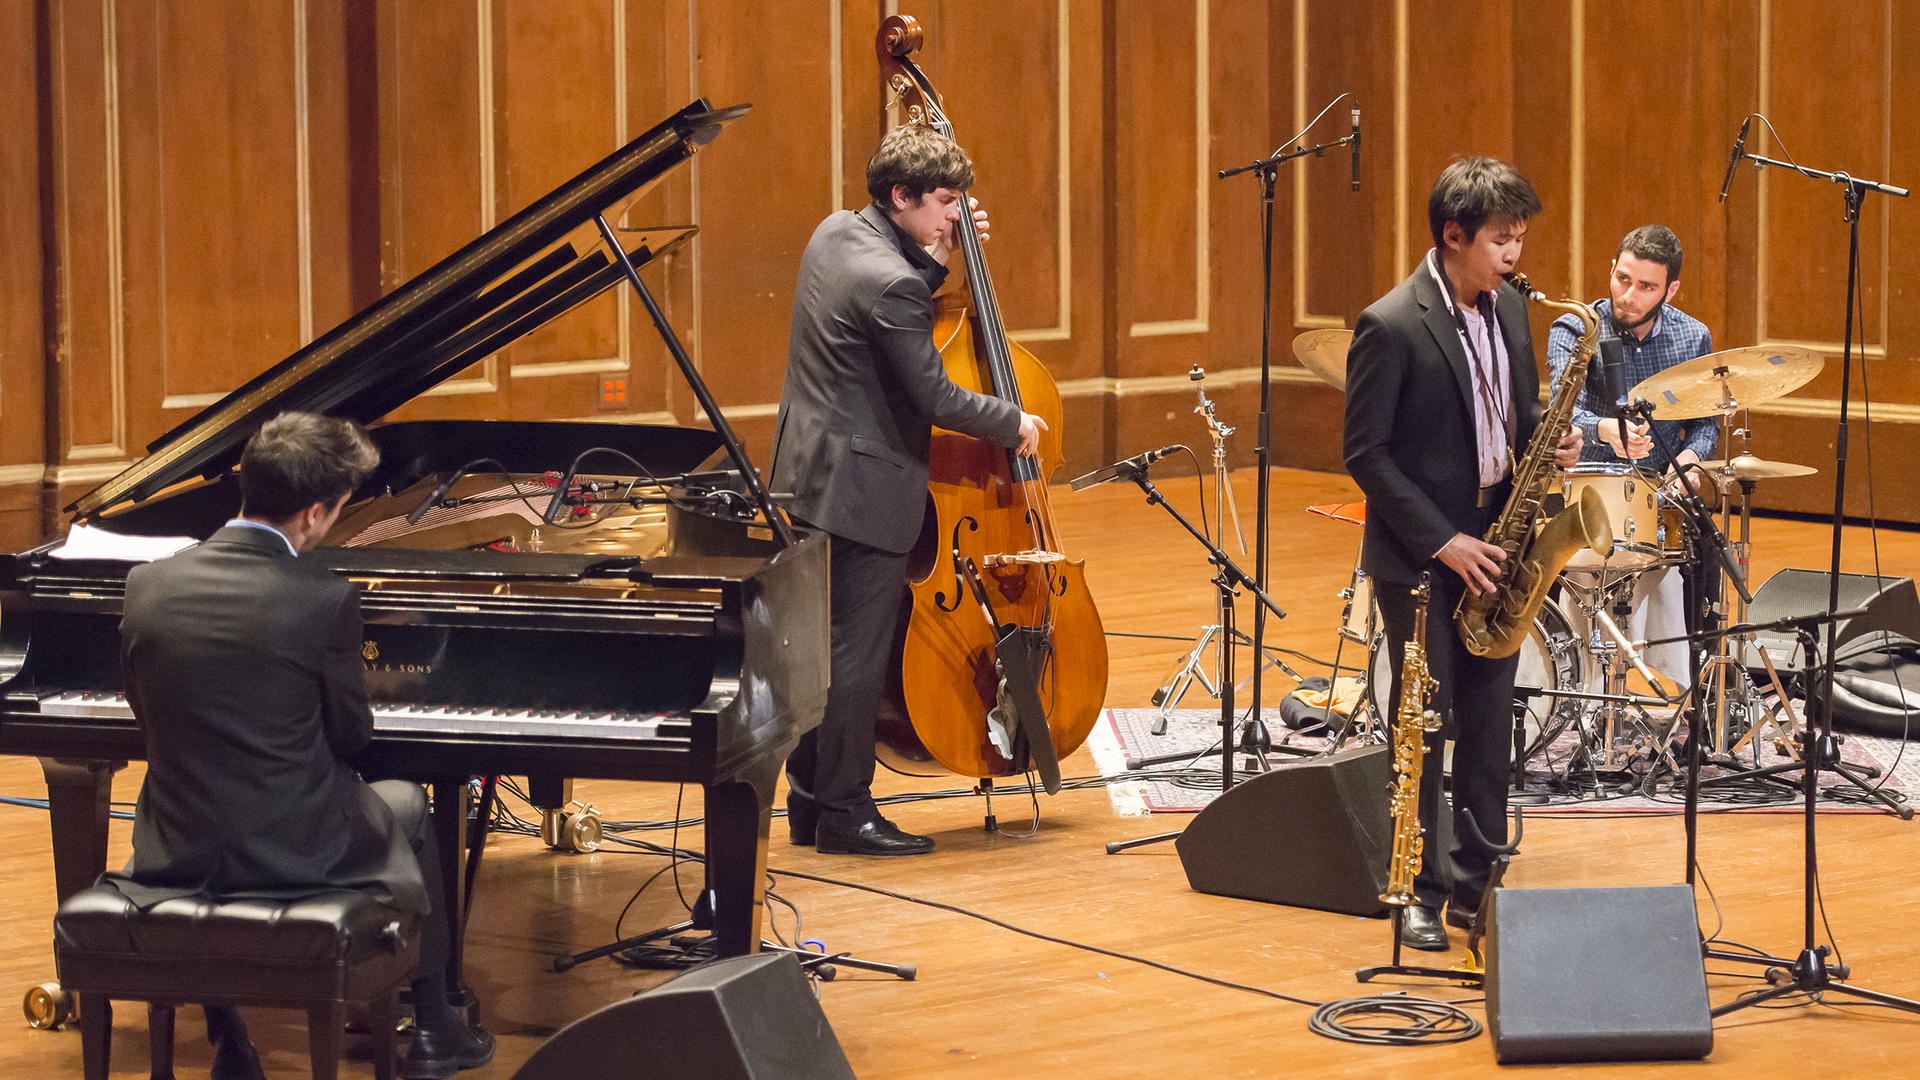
(990, 1002)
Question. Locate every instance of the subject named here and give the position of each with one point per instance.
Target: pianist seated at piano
(241, 661)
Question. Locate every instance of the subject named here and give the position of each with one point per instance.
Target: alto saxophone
(1496, 623)
(1411, 723)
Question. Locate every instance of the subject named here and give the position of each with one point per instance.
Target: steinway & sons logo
(370, 651)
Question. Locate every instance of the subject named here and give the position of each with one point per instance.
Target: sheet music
(88, 542)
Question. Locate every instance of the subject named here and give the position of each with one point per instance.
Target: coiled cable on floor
(1393, 1020)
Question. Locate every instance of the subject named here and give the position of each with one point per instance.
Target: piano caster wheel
(574, 827)
(48, 1007)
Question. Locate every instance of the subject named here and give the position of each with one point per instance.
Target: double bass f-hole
(956, 566)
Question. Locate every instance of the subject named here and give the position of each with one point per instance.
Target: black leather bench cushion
(341, 925)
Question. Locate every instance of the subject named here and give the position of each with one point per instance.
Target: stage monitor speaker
(745, 1018)
(1891, 603)
(1311, 834)
(1596, 975)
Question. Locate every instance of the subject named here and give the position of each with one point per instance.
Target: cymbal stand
(1193, 668)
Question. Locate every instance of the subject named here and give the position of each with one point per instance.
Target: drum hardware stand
(1193, 668)
(1267, 170)
(1228, 579)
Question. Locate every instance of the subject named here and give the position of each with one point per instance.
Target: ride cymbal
(1746, 377)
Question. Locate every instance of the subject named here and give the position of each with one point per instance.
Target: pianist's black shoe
(438, 1053)
(803, 817)
(874, 836)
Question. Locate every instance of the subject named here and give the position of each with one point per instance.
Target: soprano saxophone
(1411, 724)
(1495, 624)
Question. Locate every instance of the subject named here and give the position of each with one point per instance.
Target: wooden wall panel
(221, 184)
(763, 187)
(439, 161)
(22, 330)
(548, 129)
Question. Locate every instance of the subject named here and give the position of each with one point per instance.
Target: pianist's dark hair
(917, 158)
(297, 459)
(1476, 190)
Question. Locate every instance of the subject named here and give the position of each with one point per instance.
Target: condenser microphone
(1129, 467)
(1739, 151)
(1354, 145)
(433, 500)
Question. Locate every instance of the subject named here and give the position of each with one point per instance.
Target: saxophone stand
(1228, 579)
(1472, 970)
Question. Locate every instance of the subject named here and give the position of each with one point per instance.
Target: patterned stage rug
(1187, 785)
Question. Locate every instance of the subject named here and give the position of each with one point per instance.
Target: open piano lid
(536, 265)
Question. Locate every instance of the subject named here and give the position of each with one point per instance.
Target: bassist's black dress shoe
(874, 836)
(1420, 929)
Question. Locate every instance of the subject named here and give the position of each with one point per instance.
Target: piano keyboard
(437, 719)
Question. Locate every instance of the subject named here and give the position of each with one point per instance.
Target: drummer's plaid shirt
(1675, 338)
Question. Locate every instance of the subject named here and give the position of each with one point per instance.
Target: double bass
(1002, 663)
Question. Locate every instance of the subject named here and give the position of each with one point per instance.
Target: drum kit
(1585, 710)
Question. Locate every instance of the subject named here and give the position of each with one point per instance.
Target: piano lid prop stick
(782, 530)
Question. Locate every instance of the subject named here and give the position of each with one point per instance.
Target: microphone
(433, 500)
(1739, 150)
(1633, 655)
(552, 516)
(1354, 145)
(1612, 373)
(1128, 468)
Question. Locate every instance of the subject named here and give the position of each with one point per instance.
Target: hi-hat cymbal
(1701, 386)
(1748, 467)
(1324, 352)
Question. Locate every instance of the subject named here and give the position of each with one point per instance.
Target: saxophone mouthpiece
(1519, 281)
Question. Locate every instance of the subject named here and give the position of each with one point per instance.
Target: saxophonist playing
(1441, 388)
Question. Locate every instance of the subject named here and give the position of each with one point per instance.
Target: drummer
(1654, 336)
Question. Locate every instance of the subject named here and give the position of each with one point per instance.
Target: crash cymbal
(1748, 467)
(1324, 352)
(1749, 376)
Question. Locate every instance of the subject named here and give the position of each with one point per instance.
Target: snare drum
(1676, 538)
(1632, 503)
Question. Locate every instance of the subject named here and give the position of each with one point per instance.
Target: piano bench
(321, 953)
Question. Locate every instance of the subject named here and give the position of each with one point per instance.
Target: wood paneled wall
(190, 190)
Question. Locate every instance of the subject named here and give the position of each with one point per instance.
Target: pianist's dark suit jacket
(865, 384)
(242, 664)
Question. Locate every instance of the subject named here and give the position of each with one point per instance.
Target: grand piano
(547, 599)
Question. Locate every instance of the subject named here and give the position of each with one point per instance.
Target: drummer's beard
(1637, 326)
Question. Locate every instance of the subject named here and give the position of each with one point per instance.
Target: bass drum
(1552, 659)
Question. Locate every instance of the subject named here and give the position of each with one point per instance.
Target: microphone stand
(1808, 971)
(1228, 578)
(1267, 170)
